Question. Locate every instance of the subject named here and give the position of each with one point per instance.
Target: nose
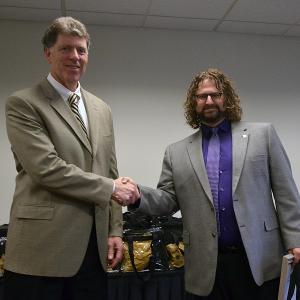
(74, 54)
(209, 99)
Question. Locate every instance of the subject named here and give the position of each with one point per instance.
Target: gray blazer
(63, 181)
(261, 172)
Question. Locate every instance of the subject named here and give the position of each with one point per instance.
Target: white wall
(143, 75)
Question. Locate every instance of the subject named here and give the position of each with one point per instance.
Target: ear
(47, 54)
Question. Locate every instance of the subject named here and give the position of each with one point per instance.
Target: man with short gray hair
(64, 228)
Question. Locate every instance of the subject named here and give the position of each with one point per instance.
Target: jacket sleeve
(160, 201)
(285, 192)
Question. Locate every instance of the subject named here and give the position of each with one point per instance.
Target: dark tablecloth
(167, 285)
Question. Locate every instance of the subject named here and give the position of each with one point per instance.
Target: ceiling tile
(266, 11)
(180, 23)
(109, 6)
(274, 17)
(108, 19)
(293, 31)
(53, 4)
(255, 28)
(206, 9)
(28, 14)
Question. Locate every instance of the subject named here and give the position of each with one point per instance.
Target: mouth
(73, 67)
(210, 109)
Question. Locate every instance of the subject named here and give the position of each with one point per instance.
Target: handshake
(126, 191)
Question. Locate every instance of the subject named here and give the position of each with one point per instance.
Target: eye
(82, 51)
(64, 49)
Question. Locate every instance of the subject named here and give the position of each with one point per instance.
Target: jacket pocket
(271, 224)
(34, 212)
(259, 164)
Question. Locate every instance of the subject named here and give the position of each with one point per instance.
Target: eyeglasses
(213, 96)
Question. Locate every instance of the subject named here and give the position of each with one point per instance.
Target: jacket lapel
(63, 110)
(93, 118)
(194, 148)
(240, 137)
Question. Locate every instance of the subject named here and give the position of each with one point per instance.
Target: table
(162, 285)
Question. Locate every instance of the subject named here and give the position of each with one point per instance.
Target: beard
(211, 115)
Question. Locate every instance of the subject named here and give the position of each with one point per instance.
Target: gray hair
(64, 25)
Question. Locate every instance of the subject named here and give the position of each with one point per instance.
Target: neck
(213, 124)
(72, 86)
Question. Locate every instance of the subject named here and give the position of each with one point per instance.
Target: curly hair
(64, 25)
(233, 110)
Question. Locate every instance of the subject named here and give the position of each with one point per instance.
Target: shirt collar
(62, 90)
(224, 126)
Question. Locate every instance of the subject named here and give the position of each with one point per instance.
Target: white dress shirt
(65, 94)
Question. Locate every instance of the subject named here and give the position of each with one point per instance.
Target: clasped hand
(126, 191)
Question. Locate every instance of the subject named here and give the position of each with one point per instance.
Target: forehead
(207, 85)
(69, 39)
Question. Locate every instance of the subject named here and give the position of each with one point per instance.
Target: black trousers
(90, 283)
(234, 281)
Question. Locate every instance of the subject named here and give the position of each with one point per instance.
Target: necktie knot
(73, 99)
(214, 131)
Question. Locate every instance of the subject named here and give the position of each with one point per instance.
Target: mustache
(210, 106)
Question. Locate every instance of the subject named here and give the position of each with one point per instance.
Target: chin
(212, 119)
(211, 116)
(73, 78)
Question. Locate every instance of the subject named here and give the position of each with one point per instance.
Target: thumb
(124, 180)
(110, 254)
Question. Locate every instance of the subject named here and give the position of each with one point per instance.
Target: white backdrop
(143, 75)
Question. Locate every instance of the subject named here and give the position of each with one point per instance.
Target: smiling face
(68, 59)
(209, 103)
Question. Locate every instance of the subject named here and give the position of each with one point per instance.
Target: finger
(127, 200)
(118, 257)
(114, 197)
(124, 180)
(121, 202)
(114, 262)
(110, 252)
(129, 180)
(137, 193)
(296, 255)
(117, 199)
(296, 258)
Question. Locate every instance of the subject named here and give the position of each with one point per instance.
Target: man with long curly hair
(233, 183)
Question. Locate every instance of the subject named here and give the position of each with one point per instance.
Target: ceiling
(266, 17)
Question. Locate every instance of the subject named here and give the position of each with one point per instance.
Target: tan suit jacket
(260, 171)
(63, 182)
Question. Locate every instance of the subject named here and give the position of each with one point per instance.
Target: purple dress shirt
(229, 235)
